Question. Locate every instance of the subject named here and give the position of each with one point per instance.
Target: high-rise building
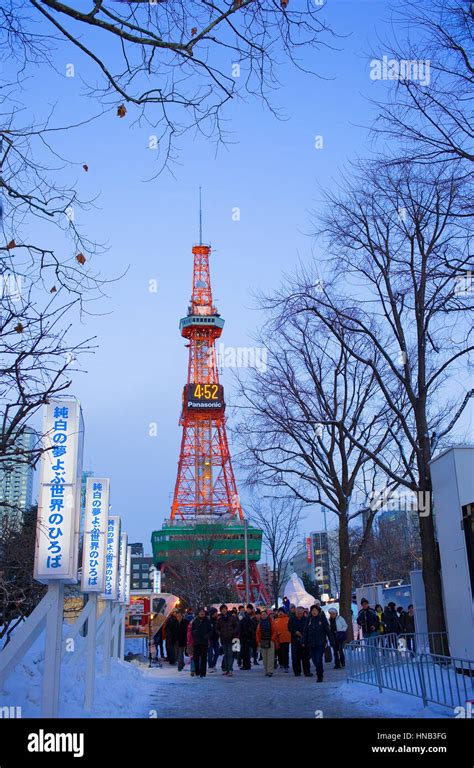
(16, 477)
(321, 564)
(142, 568)
(403, 523)
(314, 560)
(267, 575)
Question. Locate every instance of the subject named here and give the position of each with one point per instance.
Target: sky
(271, 170)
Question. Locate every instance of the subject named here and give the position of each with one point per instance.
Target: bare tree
(187, 58)
(391, 553)
(184, 59)
(278, 518)
(36, 363)
(19, 592)
(398, 241)
(199, 578)
(44, 288)
(296, 417)
(430, 112)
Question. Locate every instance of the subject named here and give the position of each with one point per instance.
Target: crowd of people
(390, 620)
(244, 636)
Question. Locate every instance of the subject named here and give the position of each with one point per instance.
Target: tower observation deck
(206, 512)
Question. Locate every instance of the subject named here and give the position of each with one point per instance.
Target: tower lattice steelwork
(206, 509)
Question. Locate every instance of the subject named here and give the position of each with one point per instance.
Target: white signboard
(156, 575)
(112, 558)
(95, 534)
(59, 503)
(122, 568)
(128, 575)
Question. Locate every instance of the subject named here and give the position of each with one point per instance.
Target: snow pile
(123, 693)
(386, 704)
(296, 593)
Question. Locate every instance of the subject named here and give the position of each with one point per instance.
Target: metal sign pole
(107, 636)
(53, 651)
(91, 653)
(122, 632)
(247, 575)
(116, 630)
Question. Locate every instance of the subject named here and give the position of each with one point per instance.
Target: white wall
(453, 487)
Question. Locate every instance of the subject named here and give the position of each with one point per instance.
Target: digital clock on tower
(204, 397)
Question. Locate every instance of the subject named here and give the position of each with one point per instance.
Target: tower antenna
(200, 217)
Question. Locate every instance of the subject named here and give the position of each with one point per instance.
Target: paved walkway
(251, 694)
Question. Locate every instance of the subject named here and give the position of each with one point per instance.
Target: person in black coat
(315, 637)
(246, 632)
(227, 628)
(409, 627)
(286, 605)
(201, 631)
(171, 636)
(213, 650)
(393, 625)
(182, 634)
(368, 620)
(299, 652)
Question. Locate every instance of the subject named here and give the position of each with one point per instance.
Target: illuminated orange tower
(205, 485)
(206, 508)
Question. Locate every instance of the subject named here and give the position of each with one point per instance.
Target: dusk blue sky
(271, 171)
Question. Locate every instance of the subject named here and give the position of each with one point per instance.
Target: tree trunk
(431, 570)
(431, 566)
(345, 595)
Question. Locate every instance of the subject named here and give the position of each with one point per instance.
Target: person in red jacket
(267, 638)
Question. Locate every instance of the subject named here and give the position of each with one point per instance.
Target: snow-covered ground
(123, 693)
(132, 690)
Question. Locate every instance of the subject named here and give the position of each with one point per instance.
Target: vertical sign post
(93, 567)
(57, 528)
(128, 576)
(111, 583)
(121, 592)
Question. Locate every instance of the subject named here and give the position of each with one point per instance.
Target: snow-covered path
(133, 690)
(251, 694)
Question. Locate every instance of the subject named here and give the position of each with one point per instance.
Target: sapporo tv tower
(206, 510)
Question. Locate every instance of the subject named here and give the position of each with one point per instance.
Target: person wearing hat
(368, 620)
(338, 626)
